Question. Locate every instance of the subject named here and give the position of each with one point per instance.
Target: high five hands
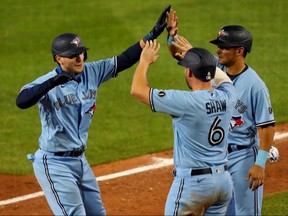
(150, 52)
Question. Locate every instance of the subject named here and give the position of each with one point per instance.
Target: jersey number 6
(216, 133)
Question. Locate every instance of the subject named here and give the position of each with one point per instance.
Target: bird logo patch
(236, 121)
(76, 41)
(91, 110)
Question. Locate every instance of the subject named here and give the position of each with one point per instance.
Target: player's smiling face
(74, 64)
(226, 56)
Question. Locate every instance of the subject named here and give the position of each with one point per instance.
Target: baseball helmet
(200, 62)
(68, 44)
(234, 36)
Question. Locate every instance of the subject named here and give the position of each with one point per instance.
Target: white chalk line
(159, 163)
(279, 136)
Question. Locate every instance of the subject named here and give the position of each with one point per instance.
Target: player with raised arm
(200, 121)
(252, 123)
(66, 97)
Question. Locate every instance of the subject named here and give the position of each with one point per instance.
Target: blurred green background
(123, 127)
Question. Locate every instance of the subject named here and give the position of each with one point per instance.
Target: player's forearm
(266, 136)
(30, 96)
(140, 88)
(129, 57)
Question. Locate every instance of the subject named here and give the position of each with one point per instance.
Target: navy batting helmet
(68, 44)
(200, 62)
(234, 36)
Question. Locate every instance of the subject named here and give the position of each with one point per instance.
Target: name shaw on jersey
(216, 106)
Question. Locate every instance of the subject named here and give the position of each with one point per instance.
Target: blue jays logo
(236, 121)
(221, 32)
(91, 110)
(76, 41)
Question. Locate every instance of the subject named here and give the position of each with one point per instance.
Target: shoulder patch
(161, 94)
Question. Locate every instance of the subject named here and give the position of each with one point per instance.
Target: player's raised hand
(172, 23)
(161, 23)
(150, 52)
(159, 26)
(64, 77)
(181, 45)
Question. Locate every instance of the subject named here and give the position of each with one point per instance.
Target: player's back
(201, 132)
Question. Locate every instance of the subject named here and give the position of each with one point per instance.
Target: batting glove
(159, 26)
(64, 77)
(273, 155)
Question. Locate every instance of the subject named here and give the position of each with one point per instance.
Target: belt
(74, 153)
(204, 171)
(232, 148)
(195, 172)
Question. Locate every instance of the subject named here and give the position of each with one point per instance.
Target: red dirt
(139, 194)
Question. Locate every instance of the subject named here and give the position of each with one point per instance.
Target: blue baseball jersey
(66, 111)
(200, 122)
(253, 108)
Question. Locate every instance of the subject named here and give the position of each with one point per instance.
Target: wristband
(261, 158)
(169, 40)
(149, 36)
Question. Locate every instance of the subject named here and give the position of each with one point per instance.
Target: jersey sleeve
(262, 104)
(167, 101)
(101, 70)
(40, 80)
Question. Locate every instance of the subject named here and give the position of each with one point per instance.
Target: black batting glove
(159, 26)
(64, 77)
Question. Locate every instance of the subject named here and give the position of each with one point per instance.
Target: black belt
(204, 171)
(74, 153)
(236, 147)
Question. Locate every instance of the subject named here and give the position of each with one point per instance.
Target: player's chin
(78, 69)
(221, 60)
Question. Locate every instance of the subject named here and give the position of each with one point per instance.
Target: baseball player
(200, 120)
(66, 97)
(252, 124)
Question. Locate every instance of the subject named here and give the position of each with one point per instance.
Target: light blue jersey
(253, 109)
(200, 122)
(66, 111)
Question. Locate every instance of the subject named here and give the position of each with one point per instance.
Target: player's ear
(240, 50)
(190, 73)
(58, 59)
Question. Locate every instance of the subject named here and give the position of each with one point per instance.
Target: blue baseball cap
(200, 62)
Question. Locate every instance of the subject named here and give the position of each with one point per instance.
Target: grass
(123, 127)
(275, 204)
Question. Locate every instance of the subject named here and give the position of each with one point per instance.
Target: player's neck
(202, 86)
(236, 68)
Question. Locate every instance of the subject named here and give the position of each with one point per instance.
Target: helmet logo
(208, 77)
(76, 41)
(221, 32)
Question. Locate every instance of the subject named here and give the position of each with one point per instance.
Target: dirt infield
(138, 194)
